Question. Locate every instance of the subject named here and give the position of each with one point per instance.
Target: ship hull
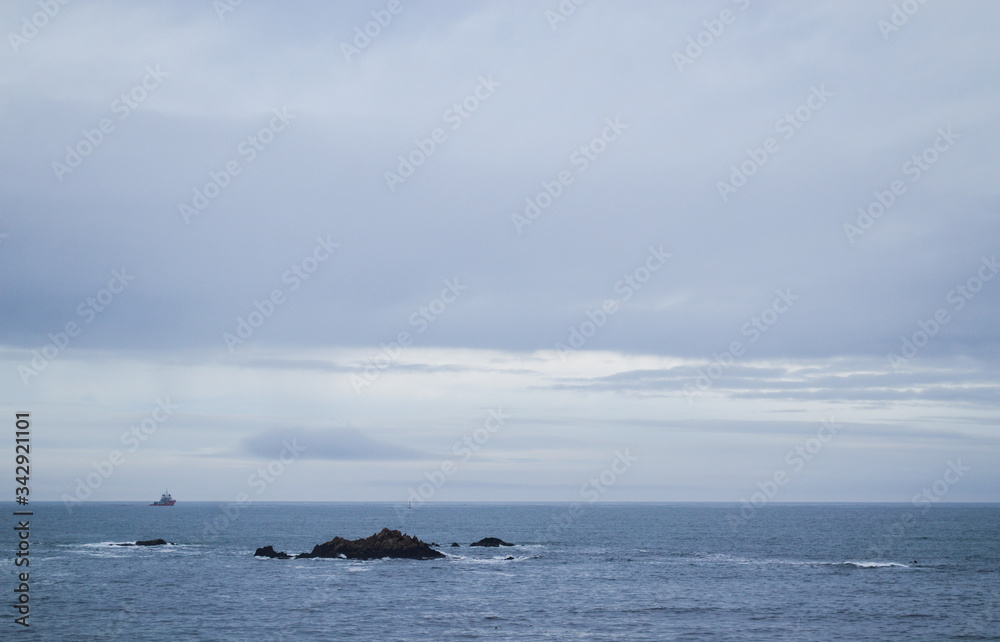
(170, 503)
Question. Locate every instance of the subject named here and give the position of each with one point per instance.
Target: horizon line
(507, 502)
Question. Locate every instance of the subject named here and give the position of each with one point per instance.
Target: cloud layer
(332, 216)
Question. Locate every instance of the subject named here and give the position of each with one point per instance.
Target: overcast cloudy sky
(503, 245)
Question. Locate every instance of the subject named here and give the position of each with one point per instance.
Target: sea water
(579, 572)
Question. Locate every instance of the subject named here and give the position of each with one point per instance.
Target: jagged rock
(388, 543)
(384, 544)
(455, 544)
(490, 541)
(509, 557)
(268, 551)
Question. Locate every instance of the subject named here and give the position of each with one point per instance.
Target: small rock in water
(147, 542)
(491, 541)
(268, 551)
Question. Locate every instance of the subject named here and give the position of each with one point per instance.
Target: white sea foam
(732, 559)
(876, 564)
(497, 559)
(89, 545)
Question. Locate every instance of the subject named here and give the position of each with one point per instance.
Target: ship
(165, 500)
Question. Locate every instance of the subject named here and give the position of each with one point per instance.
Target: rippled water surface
(656, 572)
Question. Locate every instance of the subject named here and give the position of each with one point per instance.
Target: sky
(570, 251)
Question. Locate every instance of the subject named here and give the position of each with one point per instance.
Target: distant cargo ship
(165, 500)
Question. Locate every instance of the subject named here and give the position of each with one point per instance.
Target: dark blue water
(635, 572)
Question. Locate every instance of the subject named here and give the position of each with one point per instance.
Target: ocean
(579, 572)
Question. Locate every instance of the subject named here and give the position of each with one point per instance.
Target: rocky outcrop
(455, 544)
(385, 544)
(148, 542)
(268, 551)
(490, 541)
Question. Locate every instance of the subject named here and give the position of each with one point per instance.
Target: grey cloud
(967, 381)
(331, 444)
(656, 185)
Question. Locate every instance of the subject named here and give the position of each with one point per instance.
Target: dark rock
(268, 551)
(434, 544)
(454, 544)
(509, 557)
(385, 544)
(490, 541)
(147, 542)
